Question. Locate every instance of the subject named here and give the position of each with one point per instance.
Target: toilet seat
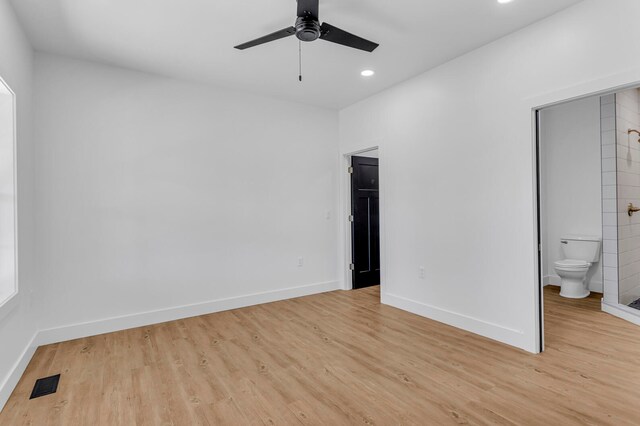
(572, 265)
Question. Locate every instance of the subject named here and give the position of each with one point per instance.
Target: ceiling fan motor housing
(307, 28)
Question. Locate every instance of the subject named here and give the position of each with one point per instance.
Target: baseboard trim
(12, 379)
(109, 325)
(624, 312)
(484, 328)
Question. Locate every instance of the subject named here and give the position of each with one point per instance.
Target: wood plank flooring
(338, 358)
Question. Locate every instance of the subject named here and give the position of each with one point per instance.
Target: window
(8, 275)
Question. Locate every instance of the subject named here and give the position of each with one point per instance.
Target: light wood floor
(338, 358)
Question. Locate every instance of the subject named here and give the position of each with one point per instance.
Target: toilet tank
(581, 247)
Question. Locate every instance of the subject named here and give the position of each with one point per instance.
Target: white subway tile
(609, 219)
(609, 192)
(610, 274)
(629, 179)
(609, 151)
(629, 270)
(610, 232)
(629, 164)
(608, 137)
(610, 246)
(628, 192)
(626, 151)
(608, 164)
(608, 124)
(609, 206)
(624, 231)
(629, 283)
(611, 291)
(628, 244)
(609, 99)
(608, 110)
(610, 260)
(609, 177)
(629, 257)
(628, 114)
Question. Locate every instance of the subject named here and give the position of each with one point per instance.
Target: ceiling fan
(308, 28)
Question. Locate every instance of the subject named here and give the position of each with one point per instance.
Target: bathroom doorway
(570, 200)
(588, 175)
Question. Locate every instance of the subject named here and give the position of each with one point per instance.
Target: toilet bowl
(580, 253)
(573, 274)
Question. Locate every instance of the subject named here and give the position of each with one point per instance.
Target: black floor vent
(635, 305)
(45, 386)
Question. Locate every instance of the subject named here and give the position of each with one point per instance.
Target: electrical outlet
(300, 261)
(421, 273)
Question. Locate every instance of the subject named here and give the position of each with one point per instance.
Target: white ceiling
(194, 39)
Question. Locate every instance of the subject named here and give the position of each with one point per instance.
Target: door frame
(345, 224)
(538, 222)
(601, 87)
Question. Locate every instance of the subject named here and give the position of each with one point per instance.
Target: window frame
(11, 301)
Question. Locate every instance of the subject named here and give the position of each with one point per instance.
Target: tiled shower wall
(609, 196)
(627, 113)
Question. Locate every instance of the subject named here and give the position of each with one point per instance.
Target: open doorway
(365, 220)
(363, 208)
(571, 203)
(588, 153)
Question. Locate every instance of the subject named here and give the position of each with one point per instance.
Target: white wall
(571, 193)
(154, 194)
(628, 150)
(17, 322)
(459, 158)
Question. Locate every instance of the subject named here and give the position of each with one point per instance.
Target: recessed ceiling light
(504, 1)
(367, 73)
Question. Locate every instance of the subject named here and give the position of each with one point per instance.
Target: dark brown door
(366, 222)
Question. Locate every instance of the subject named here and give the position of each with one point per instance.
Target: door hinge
(352, 267)
(350, 218)
(350, 170)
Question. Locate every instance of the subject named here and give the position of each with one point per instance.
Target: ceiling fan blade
(336, 35)
(266, 39)
(308, 8)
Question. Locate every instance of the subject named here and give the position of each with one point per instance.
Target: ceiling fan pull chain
(300, 60)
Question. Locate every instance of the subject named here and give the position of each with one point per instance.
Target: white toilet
(580, 253)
